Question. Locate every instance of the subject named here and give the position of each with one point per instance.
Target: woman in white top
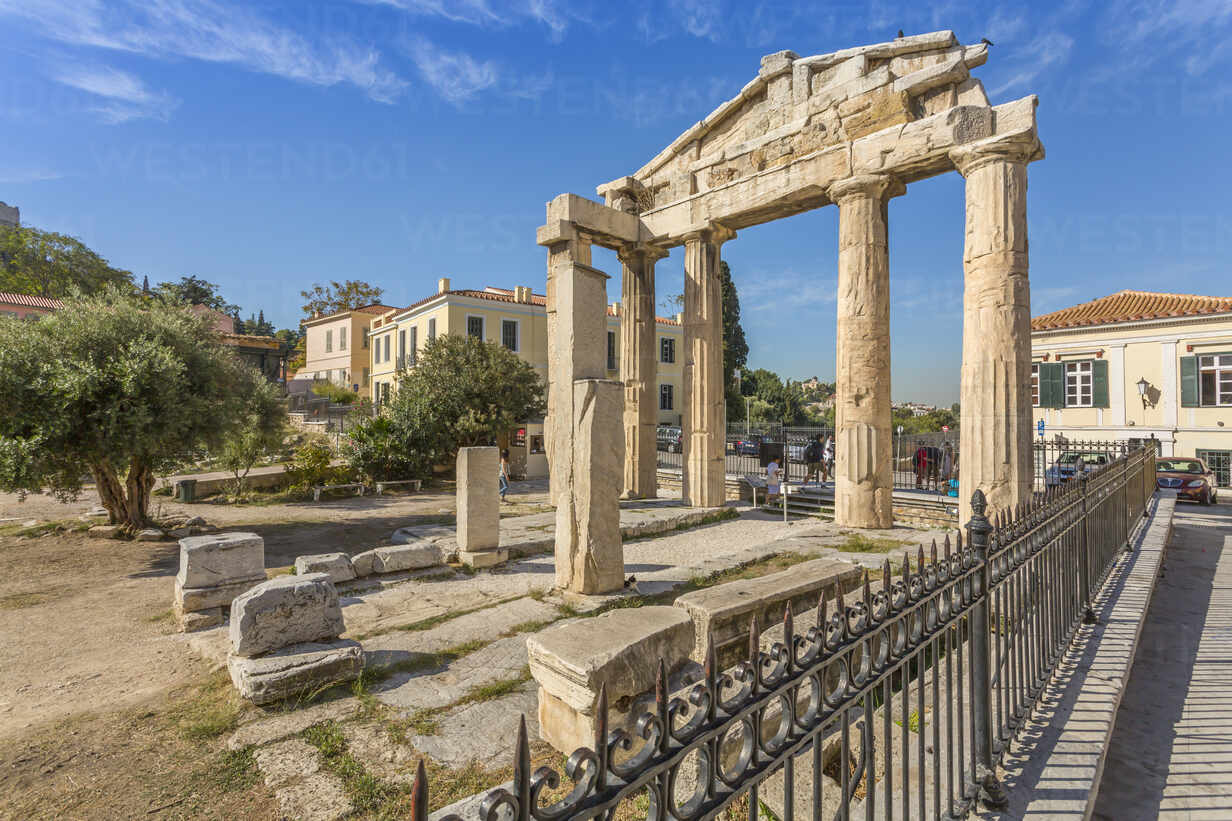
(772, 480)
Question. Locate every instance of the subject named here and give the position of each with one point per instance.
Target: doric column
(638, 368)
(705, 418)
(863, 476)
(565, 246)
(995, 445)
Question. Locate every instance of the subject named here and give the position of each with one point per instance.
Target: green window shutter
(1189, 381)
(1099, 384)
(1053, 374)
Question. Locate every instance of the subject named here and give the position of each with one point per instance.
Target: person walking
(947, 465)
(827, 459)
(773, 481)
(921, 464)
(812, 459)
(504, 476)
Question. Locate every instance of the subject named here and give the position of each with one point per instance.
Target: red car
(1190, 478)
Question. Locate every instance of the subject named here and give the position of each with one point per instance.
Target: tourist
(921, 464)
(812, 459)
(772, 481)
(504, 475)
(947, 464)
(827, 459)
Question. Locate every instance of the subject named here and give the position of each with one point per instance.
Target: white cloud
(209, 31)
(124, 96)
(456, 76)
(700, 18)
(554, 16)
(1049, 49)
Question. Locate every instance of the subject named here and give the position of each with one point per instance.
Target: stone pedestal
(214, 570)
(478, 494)
(639, 370)
(995, 446)
(620, 649)
(589, 554)
(863, 478)
(704, 435)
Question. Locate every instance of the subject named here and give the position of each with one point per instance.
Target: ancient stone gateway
(852, 128)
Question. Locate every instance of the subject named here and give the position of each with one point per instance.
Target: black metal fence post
(1084, 554)
(990, 791)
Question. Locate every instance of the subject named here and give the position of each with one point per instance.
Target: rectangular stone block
(335, 565)
(296, 670)
(620, 649)
(219, 558)
(364, 563)
(483, 558)
(478, 472)
(726, 610)
(398, 557)
(285, 611)
(191, 599)
(192, 621)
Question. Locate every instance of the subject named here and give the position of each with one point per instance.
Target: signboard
(1039, 427)
(945, 428)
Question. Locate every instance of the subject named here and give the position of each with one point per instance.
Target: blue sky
(266, 146)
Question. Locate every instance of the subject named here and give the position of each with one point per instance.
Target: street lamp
(1142, 386)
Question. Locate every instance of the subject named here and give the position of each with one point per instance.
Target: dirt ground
(104, 710)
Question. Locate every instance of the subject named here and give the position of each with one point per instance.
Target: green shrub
(338, 394)
(311, 466)
(379, 450)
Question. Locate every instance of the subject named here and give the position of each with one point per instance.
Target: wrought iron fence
(896, 704)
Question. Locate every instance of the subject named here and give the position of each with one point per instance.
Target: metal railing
(896, 704)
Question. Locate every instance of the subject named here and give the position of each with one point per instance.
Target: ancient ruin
(851, 128)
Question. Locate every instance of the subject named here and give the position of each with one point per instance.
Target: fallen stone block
(364, 564)
(151, 535)
(726, 610)
(295, 670)
(104, 532)
(207, 561)
(413, 556)
(335, 565)
(192, 621)
(221, 595)
(285, 611)
(620, 649)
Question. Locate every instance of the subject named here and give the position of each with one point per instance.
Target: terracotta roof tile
(1130, 306)
(28, 301)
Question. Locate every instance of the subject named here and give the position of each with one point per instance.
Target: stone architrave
(589, 553)
(639, 369)
(478, 473)
(995, 445)
(863, 479)
(704, 435)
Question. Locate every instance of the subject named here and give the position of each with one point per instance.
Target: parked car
(668, 439)
(1072, 463)
(1190, 478)
(749, 445)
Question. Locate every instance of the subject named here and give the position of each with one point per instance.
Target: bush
(311, 466)
(338, 394)
(380, 451)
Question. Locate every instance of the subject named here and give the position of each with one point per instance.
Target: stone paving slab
(1052, 770)
(502, 659)
(485, 731)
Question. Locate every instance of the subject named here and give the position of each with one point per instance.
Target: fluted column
(995, 428)
(705, 418)
(863, 476)
(639, 368)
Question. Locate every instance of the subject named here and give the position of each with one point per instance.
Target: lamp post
(1142, 386)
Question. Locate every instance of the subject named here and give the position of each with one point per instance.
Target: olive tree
(118, 389)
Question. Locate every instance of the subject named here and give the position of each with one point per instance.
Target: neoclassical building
(1138, 364)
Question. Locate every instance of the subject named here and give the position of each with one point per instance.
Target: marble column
(995, 428)
(639, 368)
(704, 435)
(565, 246)
(863, 473)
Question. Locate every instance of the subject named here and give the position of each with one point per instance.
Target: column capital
(968, 158)
(629, 251)
(713, 232)
(869, 186)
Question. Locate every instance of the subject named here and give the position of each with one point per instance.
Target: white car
(1072, 463)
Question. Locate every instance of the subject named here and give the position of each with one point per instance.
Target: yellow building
(336, 347)
(514, 318)
(1138, 364)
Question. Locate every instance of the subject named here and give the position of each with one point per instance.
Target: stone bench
(415, 484)
(725, 611)
(357, 486)
(620, 649)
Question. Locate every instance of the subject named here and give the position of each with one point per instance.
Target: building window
(611, 350)
(665, 397)
(412, 351)
(401, 349)
(366, 377)
(388, 337)
(474, 326)
(342, 338)
(1078, 384)
(1035, 386)
(667, 350)
(431, 329)
(1215, 380)
(329, 341)
(365, 336)
(509, 334)
(1220, 463)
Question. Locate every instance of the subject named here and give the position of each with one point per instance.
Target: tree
(339, 296)
(462, 392)
(197, 291)
(44, 263)
(119, 389)
(735, 348)
(258, 432)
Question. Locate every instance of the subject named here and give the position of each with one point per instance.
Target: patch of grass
(568, 611)
(47, 528)
(494, 690)
(234, 770)
(532, 626)
(421, 722)
(859, 543)
(368, 793)
(164, 616)
(913, 722)
(538, 594)
(427, 661)
(16, 601)
(215, 710)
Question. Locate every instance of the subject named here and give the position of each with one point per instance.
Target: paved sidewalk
(1171, 752)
